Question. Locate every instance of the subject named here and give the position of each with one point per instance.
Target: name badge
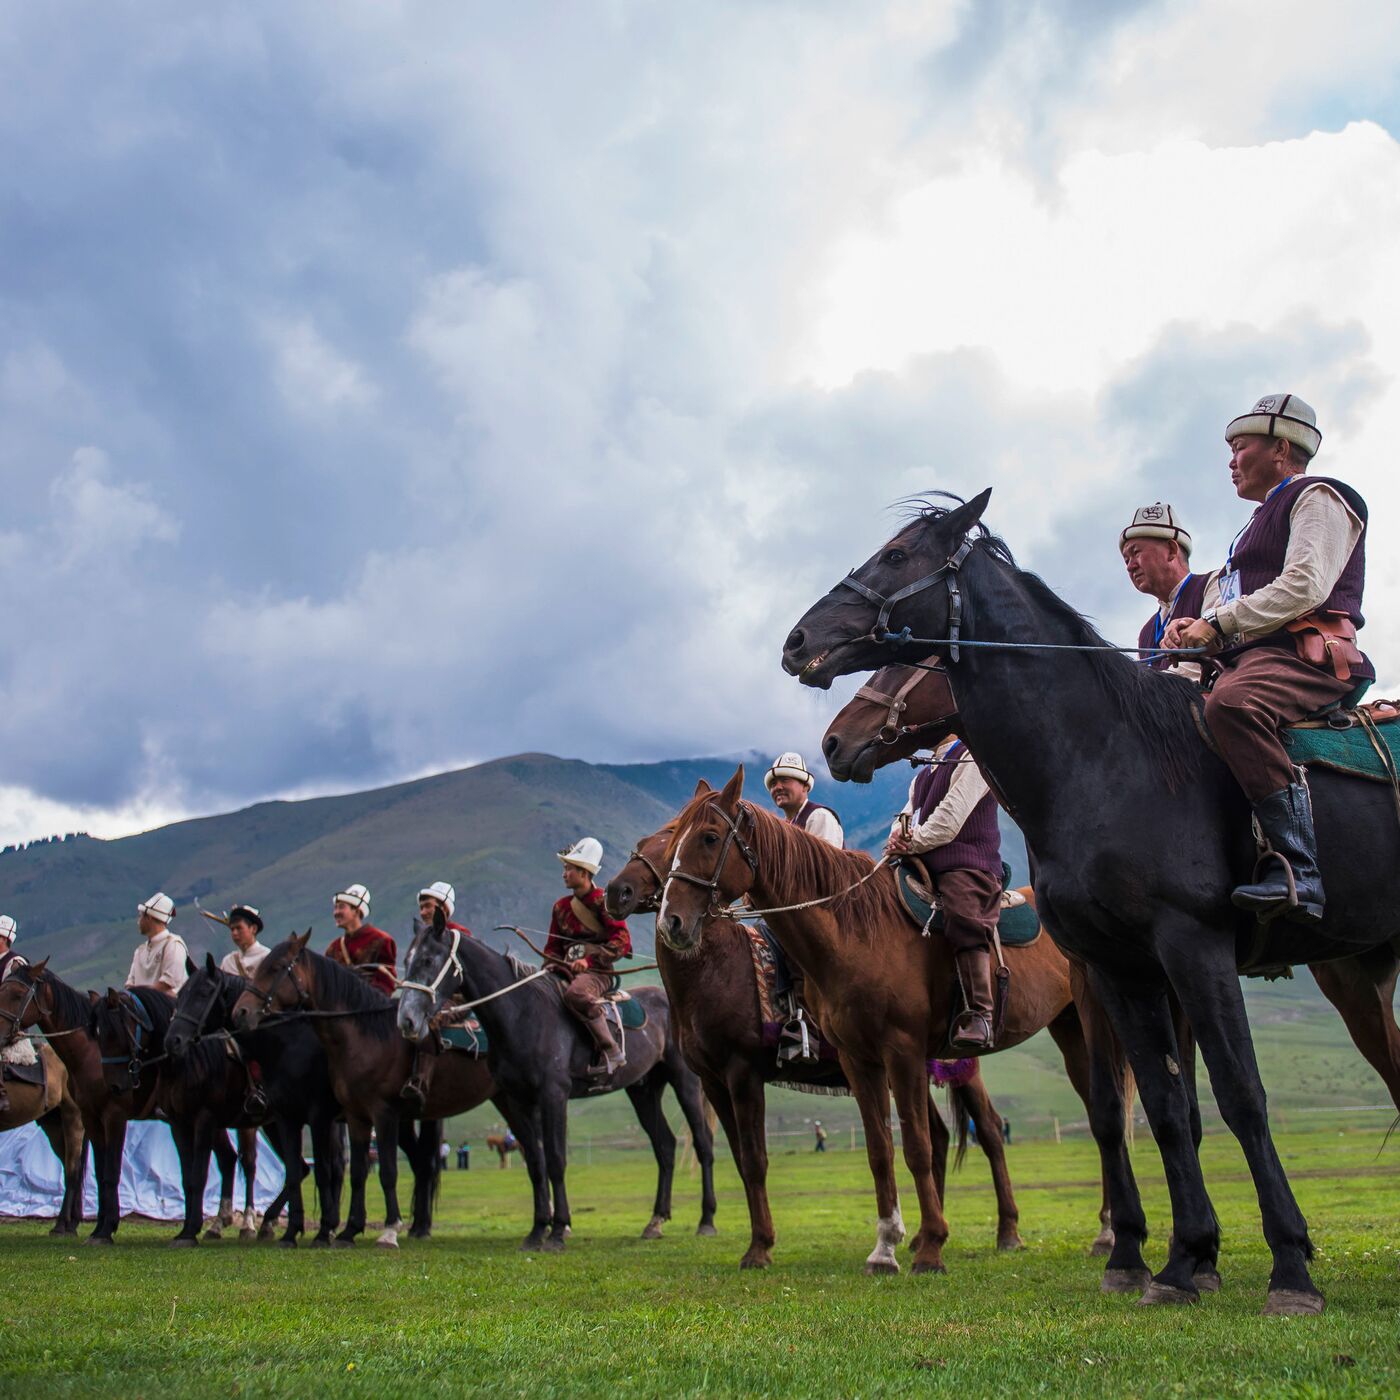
(1230, 587)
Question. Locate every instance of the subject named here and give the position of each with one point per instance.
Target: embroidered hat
(357, 897)
(1156, 522)
(248, 914)
(443, 892)
(160, 907)
(1282, 416)
(587, 854)
(8, 928)
(788, 765)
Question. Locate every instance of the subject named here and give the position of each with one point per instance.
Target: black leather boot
(973, 1029)
(1285, 817)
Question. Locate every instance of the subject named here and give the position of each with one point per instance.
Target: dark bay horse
(52, 1106)
(368, 1063)
(539, 1060)
(287, 1065)
(1138, 834)
(714, 1000)
(882, 989)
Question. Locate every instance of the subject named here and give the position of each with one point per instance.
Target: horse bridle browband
(890, 731)
(947, 573)
(731, 838)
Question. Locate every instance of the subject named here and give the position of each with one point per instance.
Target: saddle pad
(631, 1013)
(1017, 924)
(469, 1036)
(1345, 750)
(26, 1074)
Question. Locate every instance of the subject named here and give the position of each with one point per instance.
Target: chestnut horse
(881, 987)
(52, 1106)
(369, 1063)
(714, 999)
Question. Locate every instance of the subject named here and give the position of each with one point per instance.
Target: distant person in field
(585, 942)
(790, 786)
(9, 931)
(159, 961)
(820, 1134)
(438, 896)
(360, 944)
(244, 926)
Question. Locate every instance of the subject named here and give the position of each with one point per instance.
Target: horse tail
(962, 1119)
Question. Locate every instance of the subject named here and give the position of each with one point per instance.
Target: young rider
(439, 895)
(244, 925)
(361, 944)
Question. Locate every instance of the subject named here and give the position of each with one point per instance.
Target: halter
(16, 1018)
(303, 996)
(450, 963)
(139, 1021)
(732, 838)
(891, 730)
(652, 902)
(197, 1022)
(947, 573)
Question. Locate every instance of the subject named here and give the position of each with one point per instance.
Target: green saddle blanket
(1016, 927)
(469, 1036)
(633, 1013)
(1351, 750)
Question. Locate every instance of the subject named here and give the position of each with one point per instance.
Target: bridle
(652, 902)
(451, 963)
(137, 1020)
(732, 837)
(16, 1018)
(183, 1013)
(289, 971)
(891, 731)
(947, 572)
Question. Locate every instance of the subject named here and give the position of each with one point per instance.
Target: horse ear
(114, 999)
(93, 997)
(701, 788)
(961, 519)
(210, 965)
(300, 940)
(190, 968)
(439, 918)
(733, 790)
(39, 968)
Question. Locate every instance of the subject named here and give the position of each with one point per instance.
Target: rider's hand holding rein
(1192, 632)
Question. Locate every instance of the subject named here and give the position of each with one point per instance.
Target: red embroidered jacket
(604, 949)
(368, 945)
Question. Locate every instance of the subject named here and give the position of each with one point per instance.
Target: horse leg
(908, 1076)
(939, 1141)
(1363, 990)
(387, 1127)
(109, 1210)
(248, 1160)
(978, 1105)
(871, 1088)
(359, 1170)
(227, 1159)
(284, 1138)
(692, 1101)
(427, 1173)
(646, 1102)
(554, 1122)
(1209, 991)
(739, 1102)
(74, 1170)
(525, 1123)
(53, 1128)
(329, 1161)
(192, 1144)
(1142, 1018)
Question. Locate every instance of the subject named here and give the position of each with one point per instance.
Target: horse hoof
(287, 1242)
(184, 1242)
(388, 1240)
(1008, 1244)
(1206, 1281)
(1103, 1246)
(318, 1242)
(245, 1235)
(553, 1245)
(1164, 1294)
(212, 1234)
(652, 1232)
(921, 1266)
(705, 1228)
(755, 1260)
(1292, 1302)
(98, 1239)
(1125, 1280)
(338, 1243)
(531, 1244)
(881, 1266)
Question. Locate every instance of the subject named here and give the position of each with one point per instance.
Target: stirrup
(414, 1091)
(255, 1105)
(968, 1021)
(799, 1041)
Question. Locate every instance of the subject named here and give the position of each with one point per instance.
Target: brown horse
(886, 1011)
(714, 998)
(369, 1064)
(52, 1106)
(502, 1144)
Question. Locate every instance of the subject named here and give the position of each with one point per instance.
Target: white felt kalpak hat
(1282, 416)
(357, 897)
(158, 906)
(1156, 522)
(441, 891)
(587, 854)
(788, 765)
(8, 928)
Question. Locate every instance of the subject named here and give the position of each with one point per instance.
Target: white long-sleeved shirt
(243, 964)
(1322, 532)
(824, 826)
(159, 959)
(965, 790)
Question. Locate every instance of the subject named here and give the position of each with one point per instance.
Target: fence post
(1056, 1122)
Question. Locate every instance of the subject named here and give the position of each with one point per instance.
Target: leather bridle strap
(450, 963)
(731, 838)
(890, 731)
(946, 572)
(653, 901)
(16, 1018)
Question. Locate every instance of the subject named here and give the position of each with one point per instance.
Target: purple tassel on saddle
(951, 1074)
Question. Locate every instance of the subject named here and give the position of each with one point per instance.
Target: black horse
(288, 1088)
(1138, 833)
(539, 1061)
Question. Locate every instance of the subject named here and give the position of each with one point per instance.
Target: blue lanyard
(1230, 556)
(1161, 624)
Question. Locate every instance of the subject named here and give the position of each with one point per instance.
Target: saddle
(22, 1064)
(1363, 742)
(1018, 925)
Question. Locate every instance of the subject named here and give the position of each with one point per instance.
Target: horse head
(282, 983)
(847, 630)
(708, 861)
(19, 1000)
(902, 710)
(432, 973)
(194, 1006)
(636, 888)
(124, 1031)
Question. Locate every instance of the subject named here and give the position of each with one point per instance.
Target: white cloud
(312, 375)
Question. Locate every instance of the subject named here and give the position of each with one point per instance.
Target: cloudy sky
(391, 386)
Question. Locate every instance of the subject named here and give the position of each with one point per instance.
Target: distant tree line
(43, 841)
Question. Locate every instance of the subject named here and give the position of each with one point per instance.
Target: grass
(467, 1313)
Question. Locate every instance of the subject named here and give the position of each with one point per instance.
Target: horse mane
(157, 1005)
(70, 1005)
(347, 992)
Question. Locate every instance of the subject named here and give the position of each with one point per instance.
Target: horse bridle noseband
(732, 837)
(891, 730)
(947, 573)
(652, 902)
(451, 963)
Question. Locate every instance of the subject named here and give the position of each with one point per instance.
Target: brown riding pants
(971, 905)
(1254, 695)
(585, 992)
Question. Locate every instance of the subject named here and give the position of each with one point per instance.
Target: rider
(1280, 618)
(439, 895)
(9, 931)
(953, 828)
(244, 925)
(159, 962)
(585, 942)
(789, 784)
(360, 944)
(1157, 553)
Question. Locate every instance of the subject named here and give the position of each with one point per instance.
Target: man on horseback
(585, 942)
(159, 962)
(950, 822)
(790, 785)
(360, 944)
(1280, 619)
(244, 925)
(439, 895)
(1157, 553)
(9, 931)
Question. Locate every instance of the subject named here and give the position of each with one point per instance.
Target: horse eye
(893, 556)
(710, 838)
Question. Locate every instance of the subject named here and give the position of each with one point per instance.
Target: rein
(903, 638)
(740, 913)
(891, 730)
(140, 1019)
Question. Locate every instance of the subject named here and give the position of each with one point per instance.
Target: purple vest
(810, 810)
(5, 960)
(978, 845)
(1187, 605)
(1259, 557)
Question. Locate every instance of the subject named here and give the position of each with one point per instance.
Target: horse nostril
(797, 639)
(831, 745)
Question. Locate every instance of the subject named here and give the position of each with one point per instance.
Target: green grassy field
(468, 1313)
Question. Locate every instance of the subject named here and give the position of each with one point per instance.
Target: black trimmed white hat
(789, 765)
(1156, 522)
(356, 896)
(8, 928)
(1282, 416)
(158, 906)
(442, 891)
